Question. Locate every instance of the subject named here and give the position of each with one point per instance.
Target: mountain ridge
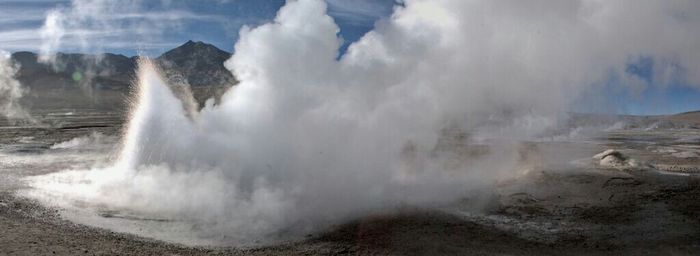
(196, 64)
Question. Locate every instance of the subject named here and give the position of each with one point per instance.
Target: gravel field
(572, 207)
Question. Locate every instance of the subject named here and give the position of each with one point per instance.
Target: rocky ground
(648, 203)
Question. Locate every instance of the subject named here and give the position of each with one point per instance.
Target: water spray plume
(147, 117)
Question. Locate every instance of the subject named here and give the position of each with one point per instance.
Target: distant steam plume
(10, 90)
(306, 140)
(97, 25)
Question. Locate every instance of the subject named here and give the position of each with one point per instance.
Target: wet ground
(570, 206)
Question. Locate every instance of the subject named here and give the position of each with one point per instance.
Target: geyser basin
(306, 140)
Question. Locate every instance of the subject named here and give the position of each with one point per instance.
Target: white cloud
(18, 35)
(13, 15)
(92, 25)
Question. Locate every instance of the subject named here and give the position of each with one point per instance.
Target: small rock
(615, 159)
(612, 161)
(609, 152)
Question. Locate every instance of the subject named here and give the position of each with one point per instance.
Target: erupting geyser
(306, 140)
(156, 110)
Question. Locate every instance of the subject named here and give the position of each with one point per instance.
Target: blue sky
(649, 97)
(164, 24)
(132, 27)
(653, 99)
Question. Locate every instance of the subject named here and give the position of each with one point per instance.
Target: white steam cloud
(11, 90)
(51, 34)
(306, 140)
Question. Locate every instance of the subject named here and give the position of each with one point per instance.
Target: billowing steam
(10, 90)
(306, 140)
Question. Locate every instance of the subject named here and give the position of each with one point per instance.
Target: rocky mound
(612, 158)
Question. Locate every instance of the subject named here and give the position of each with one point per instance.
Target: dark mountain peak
(112, 55)
(191, 43)
(193, 46)
(24, 55)
(197, 64)
(191, 49)
(25, 58)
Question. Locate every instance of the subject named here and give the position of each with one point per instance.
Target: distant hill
(97, 71)
(692, 117)
(103, 80)
(195, 63)
(687, 120)
(199, 63)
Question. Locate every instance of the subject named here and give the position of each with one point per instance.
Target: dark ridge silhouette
(195, 63)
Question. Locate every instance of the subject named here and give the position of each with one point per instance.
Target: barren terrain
(570, 206)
